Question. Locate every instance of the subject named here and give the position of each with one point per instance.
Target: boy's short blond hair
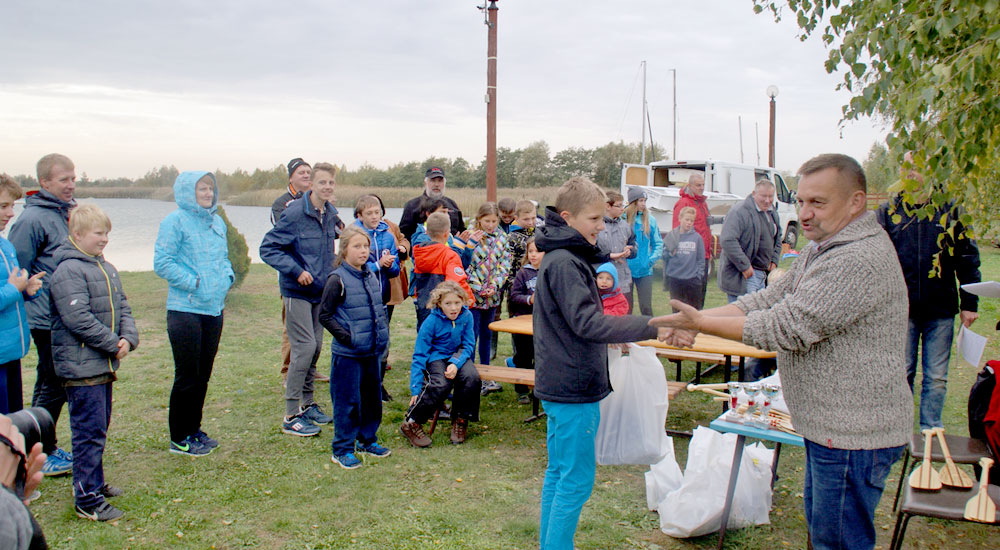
(443, 289)
(688, 211)
(438, 225)
(523, 206)
(326, 167)
(578, 193)
(88, 217)
(45, 164)
(10, 185)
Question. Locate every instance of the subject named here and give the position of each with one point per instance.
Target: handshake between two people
(678, 329)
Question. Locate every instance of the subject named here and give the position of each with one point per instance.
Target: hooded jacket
(618, 234)
(463, 249)
(702, 219)
(352, 311)
(614, 302)
(302, 241)
(519, 300)
(571, 332)
(89, 315)
(916, 243)
(440, 339)
(382, 242)
(743, 233)
(648, 248)
(191, 251)
(434, 263)
(36, 234)
(15, 338)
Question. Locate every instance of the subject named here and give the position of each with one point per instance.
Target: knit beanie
(635, 193)
(294, 164)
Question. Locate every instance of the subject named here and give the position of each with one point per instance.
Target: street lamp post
(772, 92)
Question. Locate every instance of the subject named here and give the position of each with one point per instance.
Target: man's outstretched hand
(679, 329)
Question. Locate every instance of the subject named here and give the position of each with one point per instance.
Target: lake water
(134, 223)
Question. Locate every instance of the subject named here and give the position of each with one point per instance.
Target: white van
(726, 183)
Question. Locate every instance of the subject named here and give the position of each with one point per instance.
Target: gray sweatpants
(305, 335)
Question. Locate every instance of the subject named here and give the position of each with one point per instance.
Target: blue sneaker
(189, 446)
(509, 362)
(347, 461)
(315, 415)
(374, 449)
(58, 463)
(300, 426)
(203, 438)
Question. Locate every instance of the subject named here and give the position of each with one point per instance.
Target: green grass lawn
(262, 489)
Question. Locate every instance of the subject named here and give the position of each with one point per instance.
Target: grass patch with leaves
(262, 489)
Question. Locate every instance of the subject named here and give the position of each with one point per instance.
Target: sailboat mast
(643, 161)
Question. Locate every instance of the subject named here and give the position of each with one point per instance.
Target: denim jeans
(481, 319)
(937, 335)
(842, 489)
(569, 478)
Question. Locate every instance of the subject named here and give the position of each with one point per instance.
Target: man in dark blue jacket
(300, 247)
(37, 233)
(934, 296)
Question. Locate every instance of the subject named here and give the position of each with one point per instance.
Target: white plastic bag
(634, 415)
(663, 477)
(695, 508)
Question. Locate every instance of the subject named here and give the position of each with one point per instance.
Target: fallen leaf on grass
(458, 479)
(227, 522)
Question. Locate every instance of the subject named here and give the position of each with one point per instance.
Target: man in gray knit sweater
(838, 322)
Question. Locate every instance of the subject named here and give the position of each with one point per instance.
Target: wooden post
(491, 104)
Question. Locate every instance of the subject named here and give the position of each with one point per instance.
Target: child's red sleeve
(453, 272)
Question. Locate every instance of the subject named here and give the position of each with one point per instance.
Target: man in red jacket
(693, 195)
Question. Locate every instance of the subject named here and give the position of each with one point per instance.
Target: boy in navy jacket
(571, 355)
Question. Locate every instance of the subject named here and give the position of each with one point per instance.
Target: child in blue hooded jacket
(383, 256)
(442, 361)
(192, 255)
(14, 336)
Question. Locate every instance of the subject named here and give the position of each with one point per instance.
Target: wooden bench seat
(527, 377)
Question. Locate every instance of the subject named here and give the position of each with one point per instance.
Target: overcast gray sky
(122, 87)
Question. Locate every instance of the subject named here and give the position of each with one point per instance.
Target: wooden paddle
(951, 475)
(980, 507)
(925, 476)
(709, 391)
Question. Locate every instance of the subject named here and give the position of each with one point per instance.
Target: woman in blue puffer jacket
(649, 247)
(192, 254)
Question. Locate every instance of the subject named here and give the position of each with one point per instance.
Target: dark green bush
(238, 252)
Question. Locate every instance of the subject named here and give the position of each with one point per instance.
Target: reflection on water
(134, 223)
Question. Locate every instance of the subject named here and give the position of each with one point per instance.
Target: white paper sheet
(986, 289)
(971, 346)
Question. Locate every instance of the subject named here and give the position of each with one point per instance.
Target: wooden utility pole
(491, 102)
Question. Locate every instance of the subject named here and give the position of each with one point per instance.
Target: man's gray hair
(696, 175)
(761, 182)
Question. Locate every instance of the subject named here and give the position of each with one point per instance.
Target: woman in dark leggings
(193, 256)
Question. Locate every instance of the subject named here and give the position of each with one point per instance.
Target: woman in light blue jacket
(192, 254)
(649, 247)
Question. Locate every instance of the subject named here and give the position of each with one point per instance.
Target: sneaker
(102, 512)
(490, 386)
(459, 429)
(321, 378)
(58, 463)
(509, 362)
(189, 446)
(346, 461)
(203, 438)
(315, 415)
(415, 434)
(523, 399)
(374, 449)
(110, 491)
(300, 426)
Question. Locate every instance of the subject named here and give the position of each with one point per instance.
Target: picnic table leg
(774, 464)
(734, 474)
(726, 377)
(535, 415)
(743, 374)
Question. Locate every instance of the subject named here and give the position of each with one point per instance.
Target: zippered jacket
(571, 332)
(382, 242)
(743, 234)
(440, 338)
(490, 266)
(434, 263)
(522, 290)
(302, 241)
(618, 234)
(649, 247)
(192, 253)
(352, 311)
(916, 242)
(36, 234)
(89, 315)
(15, 337)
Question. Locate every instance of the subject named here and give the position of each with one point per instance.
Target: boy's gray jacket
(36, 235)
(838, 321)
(741, 235)
(89, 315)
(616, 236)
